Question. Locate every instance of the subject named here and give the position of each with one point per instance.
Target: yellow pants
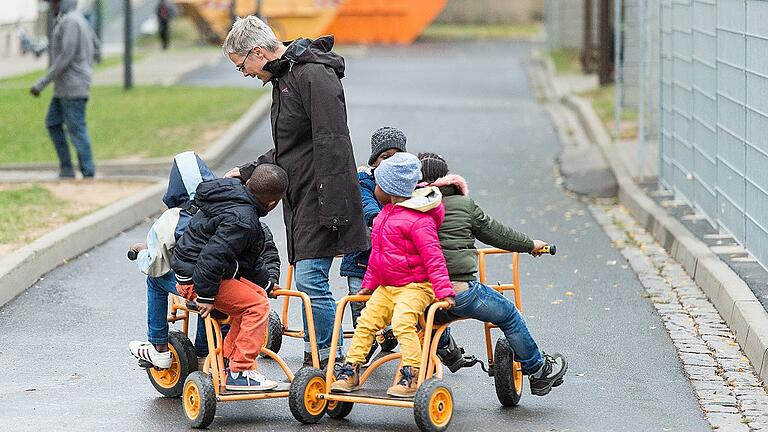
(401, 306)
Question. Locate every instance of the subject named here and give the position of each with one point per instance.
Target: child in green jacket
(464, 222)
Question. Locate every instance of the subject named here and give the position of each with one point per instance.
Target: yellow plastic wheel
(303, 397)
(433, 406)
(441, 407)
(313, 404)
(518, 375)
(192, 400)
(169, 382)
(199, 400)
(168, 378)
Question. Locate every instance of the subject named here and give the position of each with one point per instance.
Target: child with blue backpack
(154, 256)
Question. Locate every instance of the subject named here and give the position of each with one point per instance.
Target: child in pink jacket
(406, 271)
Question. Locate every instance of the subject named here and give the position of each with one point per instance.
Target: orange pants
(247, 304)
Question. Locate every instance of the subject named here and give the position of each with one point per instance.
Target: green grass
(25, 209)
(148, 121)
(604, 101)
(479, 32)
(566, 61)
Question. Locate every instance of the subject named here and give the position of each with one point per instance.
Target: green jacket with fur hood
(464, 222)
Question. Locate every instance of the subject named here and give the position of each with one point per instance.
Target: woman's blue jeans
(311, 276)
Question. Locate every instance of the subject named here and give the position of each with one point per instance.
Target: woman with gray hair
(322, 209)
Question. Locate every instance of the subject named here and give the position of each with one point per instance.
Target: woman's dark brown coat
(322, 208)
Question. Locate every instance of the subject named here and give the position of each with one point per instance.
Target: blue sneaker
(250, 380)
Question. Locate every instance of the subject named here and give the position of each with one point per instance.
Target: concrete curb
(733, 299)
(20, 269)
(213, 155)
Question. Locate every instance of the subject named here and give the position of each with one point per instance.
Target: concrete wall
(491, 11)
(565, 23)
(634, 55)
(12, 13)
(714, 150)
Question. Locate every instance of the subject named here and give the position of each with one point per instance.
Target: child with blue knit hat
(406, 271)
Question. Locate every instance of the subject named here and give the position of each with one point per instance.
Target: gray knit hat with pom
(386, 138)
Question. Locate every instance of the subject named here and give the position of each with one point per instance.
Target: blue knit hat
(399, 174)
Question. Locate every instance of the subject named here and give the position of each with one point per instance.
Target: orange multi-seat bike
(310, 394)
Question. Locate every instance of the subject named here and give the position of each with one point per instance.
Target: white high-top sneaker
(146, 351)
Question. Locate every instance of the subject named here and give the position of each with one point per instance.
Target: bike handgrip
(549, 249)
(132, 254)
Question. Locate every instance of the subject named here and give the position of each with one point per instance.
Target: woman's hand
(233, 173)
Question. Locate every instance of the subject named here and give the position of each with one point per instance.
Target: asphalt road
(63, 343)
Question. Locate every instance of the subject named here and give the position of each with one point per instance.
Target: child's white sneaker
(147, 352)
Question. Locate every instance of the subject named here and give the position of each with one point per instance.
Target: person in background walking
(165, 11)
(74, 47)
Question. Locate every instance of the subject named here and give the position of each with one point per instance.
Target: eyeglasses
(241, 67)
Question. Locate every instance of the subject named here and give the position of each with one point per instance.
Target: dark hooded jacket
(354, 264)
(187, 172)
(322, 208)
(223, 240)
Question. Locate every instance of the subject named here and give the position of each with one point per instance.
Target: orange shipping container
(288, 18)
(384, 21)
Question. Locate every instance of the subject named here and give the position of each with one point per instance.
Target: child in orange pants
(217, 264)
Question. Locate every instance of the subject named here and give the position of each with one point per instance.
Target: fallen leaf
(557, 302)
(612, 262)
(569, 293)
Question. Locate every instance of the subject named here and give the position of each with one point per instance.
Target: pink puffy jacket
(406, 249)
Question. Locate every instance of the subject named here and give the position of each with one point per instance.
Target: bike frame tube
(514, 287)
(428, 338)
(307, 303)
(336, 332)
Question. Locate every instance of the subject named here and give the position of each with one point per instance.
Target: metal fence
(636, 59)
(714, 113)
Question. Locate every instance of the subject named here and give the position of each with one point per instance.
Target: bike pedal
(145, 364)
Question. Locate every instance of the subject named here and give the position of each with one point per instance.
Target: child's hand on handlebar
(538, 245)
(205, 309)
(365, 291)
(451, 302)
